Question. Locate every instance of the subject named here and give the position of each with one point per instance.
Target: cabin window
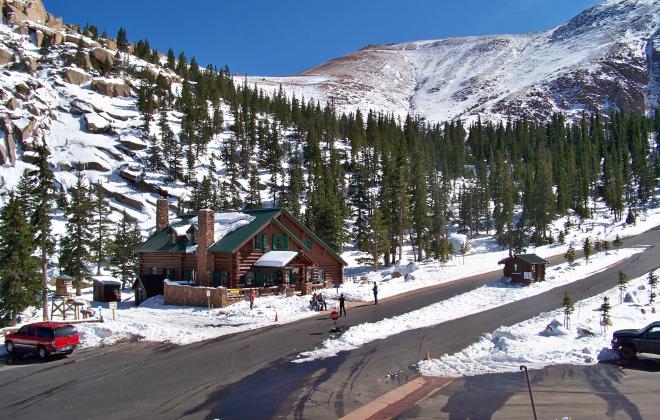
(173, 238)
(515, 268)
(321, 277)
(187, 274)
(260, 242)
(169, 273)
(249, 278)
(280, 242)
(153, 270)
(308, 243)
(221, 278)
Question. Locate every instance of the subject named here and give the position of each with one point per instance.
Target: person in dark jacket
(342, 305)
(375, 289)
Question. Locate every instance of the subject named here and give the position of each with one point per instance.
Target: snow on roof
(226, 223)
(276, 259)
(107, 280)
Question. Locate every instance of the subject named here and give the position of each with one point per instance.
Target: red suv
(43, 338)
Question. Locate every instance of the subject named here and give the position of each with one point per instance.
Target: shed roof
(529, 258)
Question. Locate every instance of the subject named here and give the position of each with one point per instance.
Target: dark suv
(630, 342)
(43, 338)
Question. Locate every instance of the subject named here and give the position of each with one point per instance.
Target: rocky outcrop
(92, 166)
(76, 76)
(102, 56)
(133, 143)
(32, 10)
(96, 124)
(111, 87)
(6, 56)
(23, 128)
(122, 198)
(75, 38)
(12, 104)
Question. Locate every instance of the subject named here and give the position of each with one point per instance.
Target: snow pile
(477, 300)
(155, 321)
(226, 223)
(506, 348)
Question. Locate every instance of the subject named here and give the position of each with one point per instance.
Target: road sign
(112, 305)
(334, 315)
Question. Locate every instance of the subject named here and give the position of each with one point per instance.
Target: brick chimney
(162, 213)
(205, 235)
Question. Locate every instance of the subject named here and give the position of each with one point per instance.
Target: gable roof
(529, 258)
(233, 240)
(160, 241)
(151, 283)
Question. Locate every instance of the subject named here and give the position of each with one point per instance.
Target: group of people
(318, 303)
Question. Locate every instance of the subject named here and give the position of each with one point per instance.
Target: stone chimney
(205, 236)
(162, 213)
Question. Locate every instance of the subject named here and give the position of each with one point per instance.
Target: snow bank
(477, 300)
(506, 348)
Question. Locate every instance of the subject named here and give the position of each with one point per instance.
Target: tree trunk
(44, 291)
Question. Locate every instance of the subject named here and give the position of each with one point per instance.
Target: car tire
(628, 352)
(42, 353)
(9, 346)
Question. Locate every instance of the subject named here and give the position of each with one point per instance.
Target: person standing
(342, 305)
(251, 298)
(375, 289)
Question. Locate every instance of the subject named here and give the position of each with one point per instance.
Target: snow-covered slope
(606, 57)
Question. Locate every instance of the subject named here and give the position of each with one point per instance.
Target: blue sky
(284, 37)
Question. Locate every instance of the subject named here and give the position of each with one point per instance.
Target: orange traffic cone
(276, 318)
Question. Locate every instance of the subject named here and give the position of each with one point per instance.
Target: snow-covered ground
(506, 348)
(480, 299)
(482, 257)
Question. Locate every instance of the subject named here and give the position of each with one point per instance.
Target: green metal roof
(160, 241)
(532, 259)
(231, 241)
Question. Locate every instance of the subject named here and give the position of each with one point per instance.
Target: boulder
(584, 331)
(30, 64)
(57, 38)
(96, 124)
(27, 10)
(38, 38)
(628, 298)
(3, 154)
(22, 29)
(12, 103)
(11, 149)
(6, 56)
(23, 89)
(75, 38)
(103, 56)
(53, 22)
(111, 44)
(76, 76)
(24, 128)
(554, 328)
(92, 166)
(111, 87)
(396, 274)
(133, 143)
(30, 157)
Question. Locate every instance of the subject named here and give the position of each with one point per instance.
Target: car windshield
(65, 331)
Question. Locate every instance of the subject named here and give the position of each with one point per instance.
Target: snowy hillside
(606, 57)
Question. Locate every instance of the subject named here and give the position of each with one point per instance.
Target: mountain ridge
(601, 59)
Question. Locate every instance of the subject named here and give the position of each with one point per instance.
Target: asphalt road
(249, 375)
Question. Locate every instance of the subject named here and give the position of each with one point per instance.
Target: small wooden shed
(524, 268)
(107, 290)
(148, 285)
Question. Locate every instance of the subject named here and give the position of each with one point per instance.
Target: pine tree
(75, 245)
(253, 200)
(81, 58)
(101, 228)
(122, 40)
(40, 220)
(586, 249)
(618, 243)
(652, 282)
(20, 285)
(123, 258)
(569, 307)
(376, 236)
(605, 313)
(46, 44)
(623, 285)
(570, 255)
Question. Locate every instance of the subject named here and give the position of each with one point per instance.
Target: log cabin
(250, 248)
(524, 268)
